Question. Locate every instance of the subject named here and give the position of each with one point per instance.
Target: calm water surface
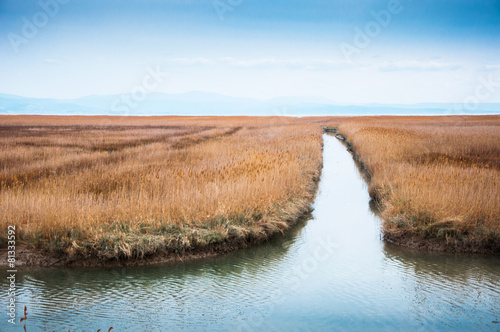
(332, 272)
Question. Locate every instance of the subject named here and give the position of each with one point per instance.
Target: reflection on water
(332, 272)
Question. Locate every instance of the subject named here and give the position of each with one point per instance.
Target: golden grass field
(128, 187)
(436, 178)
(131, 187)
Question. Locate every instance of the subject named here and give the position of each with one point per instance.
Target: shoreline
(32, 257)
(453, 245)
(405, 238)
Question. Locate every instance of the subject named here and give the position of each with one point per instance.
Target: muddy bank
(405, 237)
(414, 241)
(31, 257)
(365, 173)
(27, 256)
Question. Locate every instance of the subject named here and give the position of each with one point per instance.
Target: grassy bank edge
(406, 237)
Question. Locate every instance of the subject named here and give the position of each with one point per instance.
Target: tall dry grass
(436, 178)
(120, 187)
(128, 187)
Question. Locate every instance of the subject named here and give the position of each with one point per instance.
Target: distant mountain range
(204, 103)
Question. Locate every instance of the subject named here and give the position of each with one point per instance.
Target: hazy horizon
(196, 103)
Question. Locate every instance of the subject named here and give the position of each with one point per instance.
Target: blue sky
(365, 51)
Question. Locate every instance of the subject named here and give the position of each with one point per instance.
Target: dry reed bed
(109, 188)
(436, 178)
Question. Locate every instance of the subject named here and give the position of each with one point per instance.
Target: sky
(353, 52)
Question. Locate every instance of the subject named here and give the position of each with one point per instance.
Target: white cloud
(190, 61)
(316, 64)
(294, 64)
(418, 66)
(52, 61)
(492, 67)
